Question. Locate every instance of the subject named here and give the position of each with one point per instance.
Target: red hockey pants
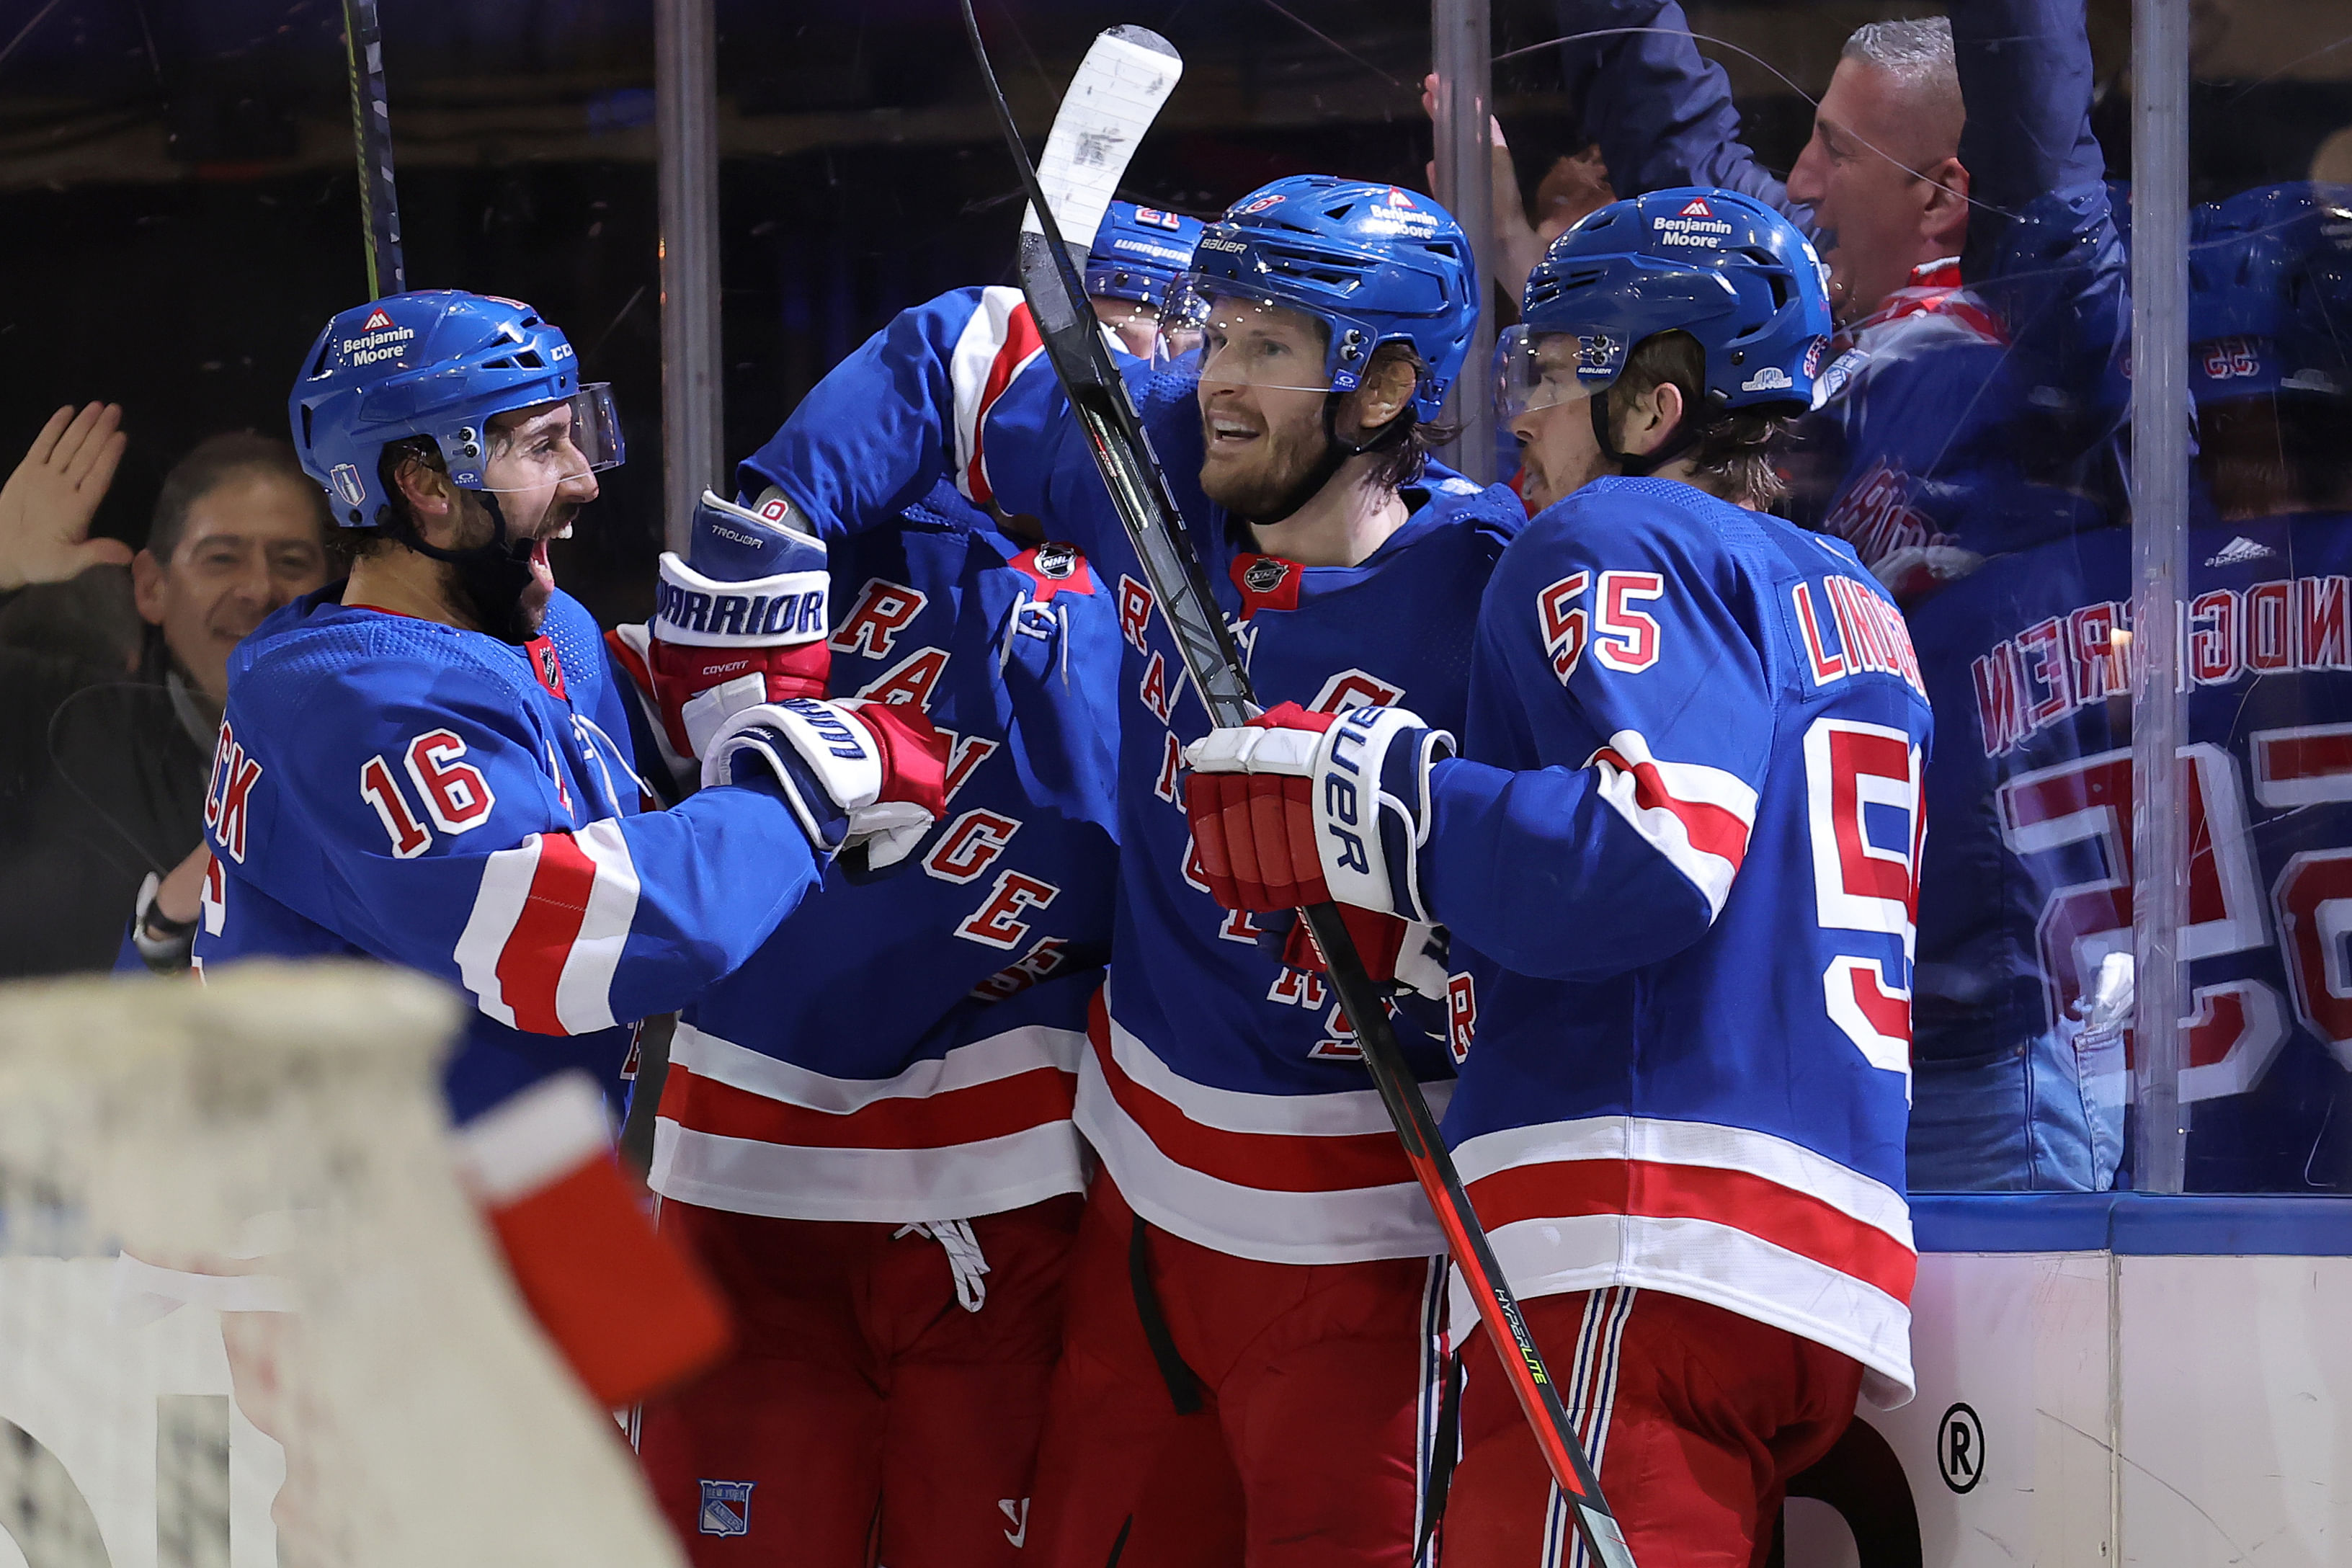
(863, 1404)
(1313, 1395)
(1694, 1418)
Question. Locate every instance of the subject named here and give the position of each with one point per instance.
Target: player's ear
(1386, 390)
(1651, 418)
(425, 489)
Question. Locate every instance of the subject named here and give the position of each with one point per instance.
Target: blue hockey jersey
(1682, 836)
(2028, 874)
(1224, 1093)
(438, 798)
(908, 1049)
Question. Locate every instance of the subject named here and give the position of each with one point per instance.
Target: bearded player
(1254, 1288)
(417, 764)
(1680, 838)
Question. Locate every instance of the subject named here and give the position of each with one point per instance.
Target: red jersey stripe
(1567, 1189)
(996, 1108)
(1021, 341)
(1273, 1161)
(1711, 829)
(532, 962)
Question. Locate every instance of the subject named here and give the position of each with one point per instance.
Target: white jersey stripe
(583, 993)
(1352, 1225)
(893, 1186)
(498, 903)
(1004, 1055)
(1707, 1261)
(1346, 1113)
(969, 363)
(1699, 1143)
(1698, 818)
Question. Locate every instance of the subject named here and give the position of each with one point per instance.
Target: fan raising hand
(46, 504)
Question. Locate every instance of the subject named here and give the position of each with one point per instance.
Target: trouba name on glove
(856, 775)
(740, 621)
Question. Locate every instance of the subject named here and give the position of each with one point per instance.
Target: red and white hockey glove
(857, 775)
(1297, 807)
(740, 622)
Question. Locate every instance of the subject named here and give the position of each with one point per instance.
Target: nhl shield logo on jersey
(1265, 574)
(1057, 561)
(726, 1508)
(547, 666)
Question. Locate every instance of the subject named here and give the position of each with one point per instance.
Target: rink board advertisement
(2190, 1399)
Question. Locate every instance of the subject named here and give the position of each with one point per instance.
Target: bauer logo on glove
(857, 775)
(1297, 807)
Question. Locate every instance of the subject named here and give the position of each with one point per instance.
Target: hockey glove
(1296, 808)
(856, 775)
(742, 621)
(1412, 955)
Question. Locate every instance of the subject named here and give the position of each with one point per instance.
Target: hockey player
(2028, 906)
(1680, 838)
(1252, 1293)
(1138, 252)
(881, 1171)
(419, 764)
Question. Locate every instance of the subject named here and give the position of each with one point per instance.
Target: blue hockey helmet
(441, 364)
(1732, 272)
(1375, 263)
(1138, 251)
(2270, 293)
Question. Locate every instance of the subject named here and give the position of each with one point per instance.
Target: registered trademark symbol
(1959, 1448)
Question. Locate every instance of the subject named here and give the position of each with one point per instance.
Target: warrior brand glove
(1296, 808)
(740, 622)
(856, 775)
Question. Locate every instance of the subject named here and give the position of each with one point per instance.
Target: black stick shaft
(372, 137)
(1147, 507)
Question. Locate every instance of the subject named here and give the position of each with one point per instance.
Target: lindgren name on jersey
(2027, 682)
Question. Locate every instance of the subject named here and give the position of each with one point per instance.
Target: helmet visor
(1538, 369)
(541, 447)
(1244, 339)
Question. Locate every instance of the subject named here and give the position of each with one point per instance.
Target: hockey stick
(372, 136)
(1118, 98)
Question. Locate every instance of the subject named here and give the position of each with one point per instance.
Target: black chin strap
(490, 577)
(1640, 465)
(1336, 454)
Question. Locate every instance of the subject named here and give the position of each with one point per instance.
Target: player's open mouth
(1230, 432)
(541, 570)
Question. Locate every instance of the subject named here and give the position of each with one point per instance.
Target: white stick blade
(1112, 101)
